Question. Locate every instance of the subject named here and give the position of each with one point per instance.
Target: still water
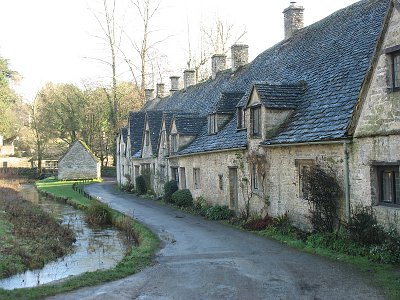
(94, 248)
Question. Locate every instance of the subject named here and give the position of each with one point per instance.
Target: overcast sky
(54, 40)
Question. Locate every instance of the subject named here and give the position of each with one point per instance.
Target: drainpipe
(346, 179)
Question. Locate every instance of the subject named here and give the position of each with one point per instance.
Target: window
(145, 169)
(240, 118)
(221, 182)
(389, 184)
(174, 143)
(196, 178)
(396, 70)
(175, 174)
(147, 137)
(162, 173)
(182, 177)
(304, 166)
(212, 124)
(255, 115)
(254, 177)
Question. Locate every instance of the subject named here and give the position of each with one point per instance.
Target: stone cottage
(327, 94)
(78, 163)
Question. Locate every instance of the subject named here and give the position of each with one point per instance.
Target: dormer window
(212, 124)
(240, 118)
(255, 119)
(396, 70)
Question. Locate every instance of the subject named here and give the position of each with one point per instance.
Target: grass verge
(137, 258)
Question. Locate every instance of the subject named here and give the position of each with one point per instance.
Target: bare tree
(214, 39)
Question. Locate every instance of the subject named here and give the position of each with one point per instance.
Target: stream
(94, 249)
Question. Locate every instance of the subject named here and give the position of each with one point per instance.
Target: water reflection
(93, 249)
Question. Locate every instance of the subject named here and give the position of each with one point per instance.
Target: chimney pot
(174, 84)
(160, 90)
(218, 64)
(148, 94)
(189, 78)
(293, 18)
(240, 55)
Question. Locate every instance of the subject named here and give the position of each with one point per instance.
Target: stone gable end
(78, 163)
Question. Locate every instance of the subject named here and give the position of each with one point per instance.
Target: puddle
(93, 249)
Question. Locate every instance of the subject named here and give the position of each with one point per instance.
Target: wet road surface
(202, 259)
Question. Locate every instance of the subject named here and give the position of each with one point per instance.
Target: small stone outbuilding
(79, 163)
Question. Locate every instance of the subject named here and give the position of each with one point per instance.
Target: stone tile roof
(227, 138)
(227, 102)
(280, 96)
(189, 125)
(331, 57)
(154, 119)
(136, 123)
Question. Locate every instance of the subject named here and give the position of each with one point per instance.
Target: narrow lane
(202, 259)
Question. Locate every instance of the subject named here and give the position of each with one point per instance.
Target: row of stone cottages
(329, 93)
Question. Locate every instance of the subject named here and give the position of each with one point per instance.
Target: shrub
(170, 187)
(201, 206)
(218, 212)
(141, 186)
(389, 251)
(258, 223)
(363, 228)
(98, 214)
(182, 198)
(322, 191)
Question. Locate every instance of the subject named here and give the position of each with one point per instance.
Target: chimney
(148, 94)
(189, 78)
(218, 64)
(160, 90)
(174, 84)
(240, 56)
(294, 20)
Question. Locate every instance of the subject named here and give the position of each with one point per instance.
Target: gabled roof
(227, 102)
(80, 143)
(279, 96)
(136, 127)
(331, 57)
(124, 134)
(154, 119)
(188, 124)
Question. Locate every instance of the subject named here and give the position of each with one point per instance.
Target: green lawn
(139, 256)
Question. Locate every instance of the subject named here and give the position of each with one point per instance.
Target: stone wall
(78, 163)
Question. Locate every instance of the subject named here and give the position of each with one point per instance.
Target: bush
(389, 251)
(322, 191)
(170, 187)
(363, 228)
(98, 214)
(201, 206)
(258, 223)
(141, 186)
(218, 212)
(182, 198)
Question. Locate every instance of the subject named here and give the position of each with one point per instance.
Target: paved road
(202, 259)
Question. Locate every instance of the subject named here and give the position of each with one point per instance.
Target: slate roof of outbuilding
(331, 57)
(136, 123)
